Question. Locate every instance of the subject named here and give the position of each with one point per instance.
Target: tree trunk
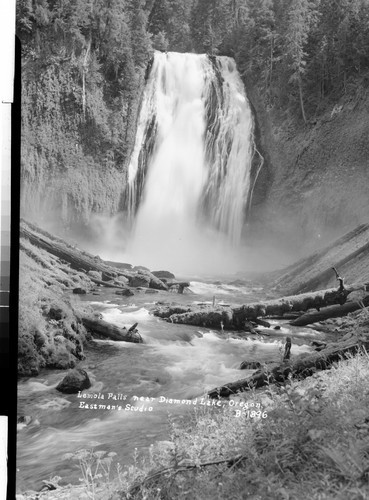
(78, 260)
(328, 312)
(84, 71)
(302, 101)
(104, 329)
(271, 61)
(301, 367)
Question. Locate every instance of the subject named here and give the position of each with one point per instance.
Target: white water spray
(189, 176)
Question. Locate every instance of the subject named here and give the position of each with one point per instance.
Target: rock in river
(139, 280)
(74, 381)
(163, 274)
(250, 365)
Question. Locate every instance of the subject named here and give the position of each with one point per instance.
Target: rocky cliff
(314, 182)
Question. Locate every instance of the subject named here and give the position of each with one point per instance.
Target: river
(175, 361)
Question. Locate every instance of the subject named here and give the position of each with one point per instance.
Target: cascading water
(189, 175)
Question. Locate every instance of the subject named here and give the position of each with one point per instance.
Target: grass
(313, 445)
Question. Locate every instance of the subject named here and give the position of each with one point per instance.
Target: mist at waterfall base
(201, 252)
(189, 179)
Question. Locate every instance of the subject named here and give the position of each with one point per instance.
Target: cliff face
(314, 182)
(73, 162)
(83, 71)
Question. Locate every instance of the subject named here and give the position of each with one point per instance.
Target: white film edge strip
(7, 44)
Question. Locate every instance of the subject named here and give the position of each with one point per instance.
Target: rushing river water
(175, 361)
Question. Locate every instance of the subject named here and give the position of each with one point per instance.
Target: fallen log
(184, 466)
(328, 312)
(234, 318)
(112, 332)
(301, 367)
(301, 302)
(81, 261)
(107, 284)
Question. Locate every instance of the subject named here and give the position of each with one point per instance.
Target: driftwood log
(112, 332)
(301, 367)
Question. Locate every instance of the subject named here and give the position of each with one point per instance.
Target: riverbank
(54, 275)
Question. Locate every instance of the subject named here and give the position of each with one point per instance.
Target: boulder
(163, 275)
(121, 279)
(146, 279)
(79, 291)
(74, 381)
(95, 274)
(141, 268)
(156, 283)
(139, 280)
(250, 365)
(177, 282)
(108, 276)
(177, 286)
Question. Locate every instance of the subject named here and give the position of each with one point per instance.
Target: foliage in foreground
(314, 444)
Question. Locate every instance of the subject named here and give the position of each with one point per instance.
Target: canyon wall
(314, 181)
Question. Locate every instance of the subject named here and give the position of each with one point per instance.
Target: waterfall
(189, 174)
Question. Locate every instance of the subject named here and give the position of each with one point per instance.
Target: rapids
(176, 361)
